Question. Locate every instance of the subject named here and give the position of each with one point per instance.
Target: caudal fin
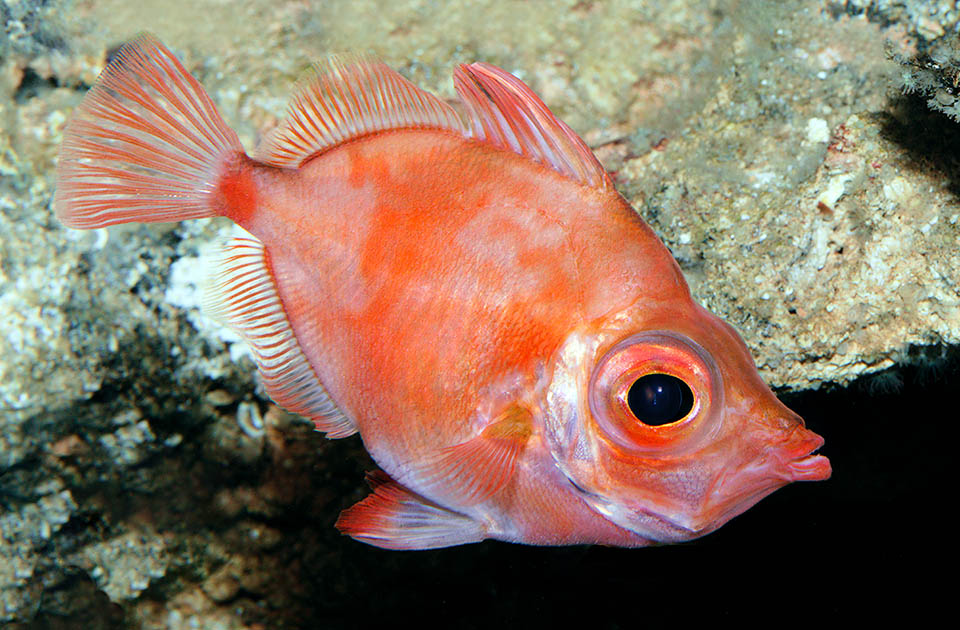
(146, 144)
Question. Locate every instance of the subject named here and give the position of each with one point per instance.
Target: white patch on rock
(818, 131)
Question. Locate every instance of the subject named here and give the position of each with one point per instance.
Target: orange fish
(518, 351)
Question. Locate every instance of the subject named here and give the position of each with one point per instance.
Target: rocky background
(798, 158)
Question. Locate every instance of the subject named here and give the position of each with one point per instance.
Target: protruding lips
(810, 468)
(793, 459)
(801, 462)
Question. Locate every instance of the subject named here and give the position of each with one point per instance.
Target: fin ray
(393, 517)
(243, 295)
(347, 97)
(506, 113)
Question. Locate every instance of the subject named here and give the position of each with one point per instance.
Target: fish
(462, 286)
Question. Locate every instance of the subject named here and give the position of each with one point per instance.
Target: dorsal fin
(505, 112)
(347, 97)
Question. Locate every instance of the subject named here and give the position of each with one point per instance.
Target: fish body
(518, 351)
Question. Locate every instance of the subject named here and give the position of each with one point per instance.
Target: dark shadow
(847, 544)
(860, 542)
(931, 139)
(32, 85)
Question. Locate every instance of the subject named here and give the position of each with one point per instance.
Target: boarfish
(465, 289)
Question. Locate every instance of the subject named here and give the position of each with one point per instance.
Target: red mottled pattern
(472, 297)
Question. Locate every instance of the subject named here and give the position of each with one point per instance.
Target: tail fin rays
(146, 144)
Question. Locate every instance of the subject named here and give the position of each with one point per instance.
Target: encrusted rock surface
(145, 481)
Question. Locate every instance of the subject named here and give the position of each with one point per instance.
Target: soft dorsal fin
(505, 112)
(347, 97)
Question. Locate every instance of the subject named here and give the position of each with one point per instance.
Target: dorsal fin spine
(504, 112)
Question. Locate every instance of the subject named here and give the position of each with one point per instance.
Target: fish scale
(518, 351)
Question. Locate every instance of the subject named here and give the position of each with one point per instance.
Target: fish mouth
(795, 459)
(813, 467)
(803, 463)
(792, 458)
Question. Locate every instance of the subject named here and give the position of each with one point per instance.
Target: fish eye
(657, 399)
(656, 391)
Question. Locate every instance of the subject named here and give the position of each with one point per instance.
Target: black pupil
(659, 399)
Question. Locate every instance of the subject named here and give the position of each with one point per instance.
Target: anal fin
(393, 517)
(244, 296)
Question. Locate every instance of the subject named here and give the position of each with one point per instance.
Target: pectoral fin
(393, 517)
(471, 472)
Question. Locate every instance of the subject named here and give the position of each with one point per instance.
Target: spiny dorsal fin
(243, 295)
(347, 97)
(505, 112)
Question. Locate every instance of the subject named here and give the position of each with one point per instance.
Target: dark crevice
(32, 85)
(931, 139)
